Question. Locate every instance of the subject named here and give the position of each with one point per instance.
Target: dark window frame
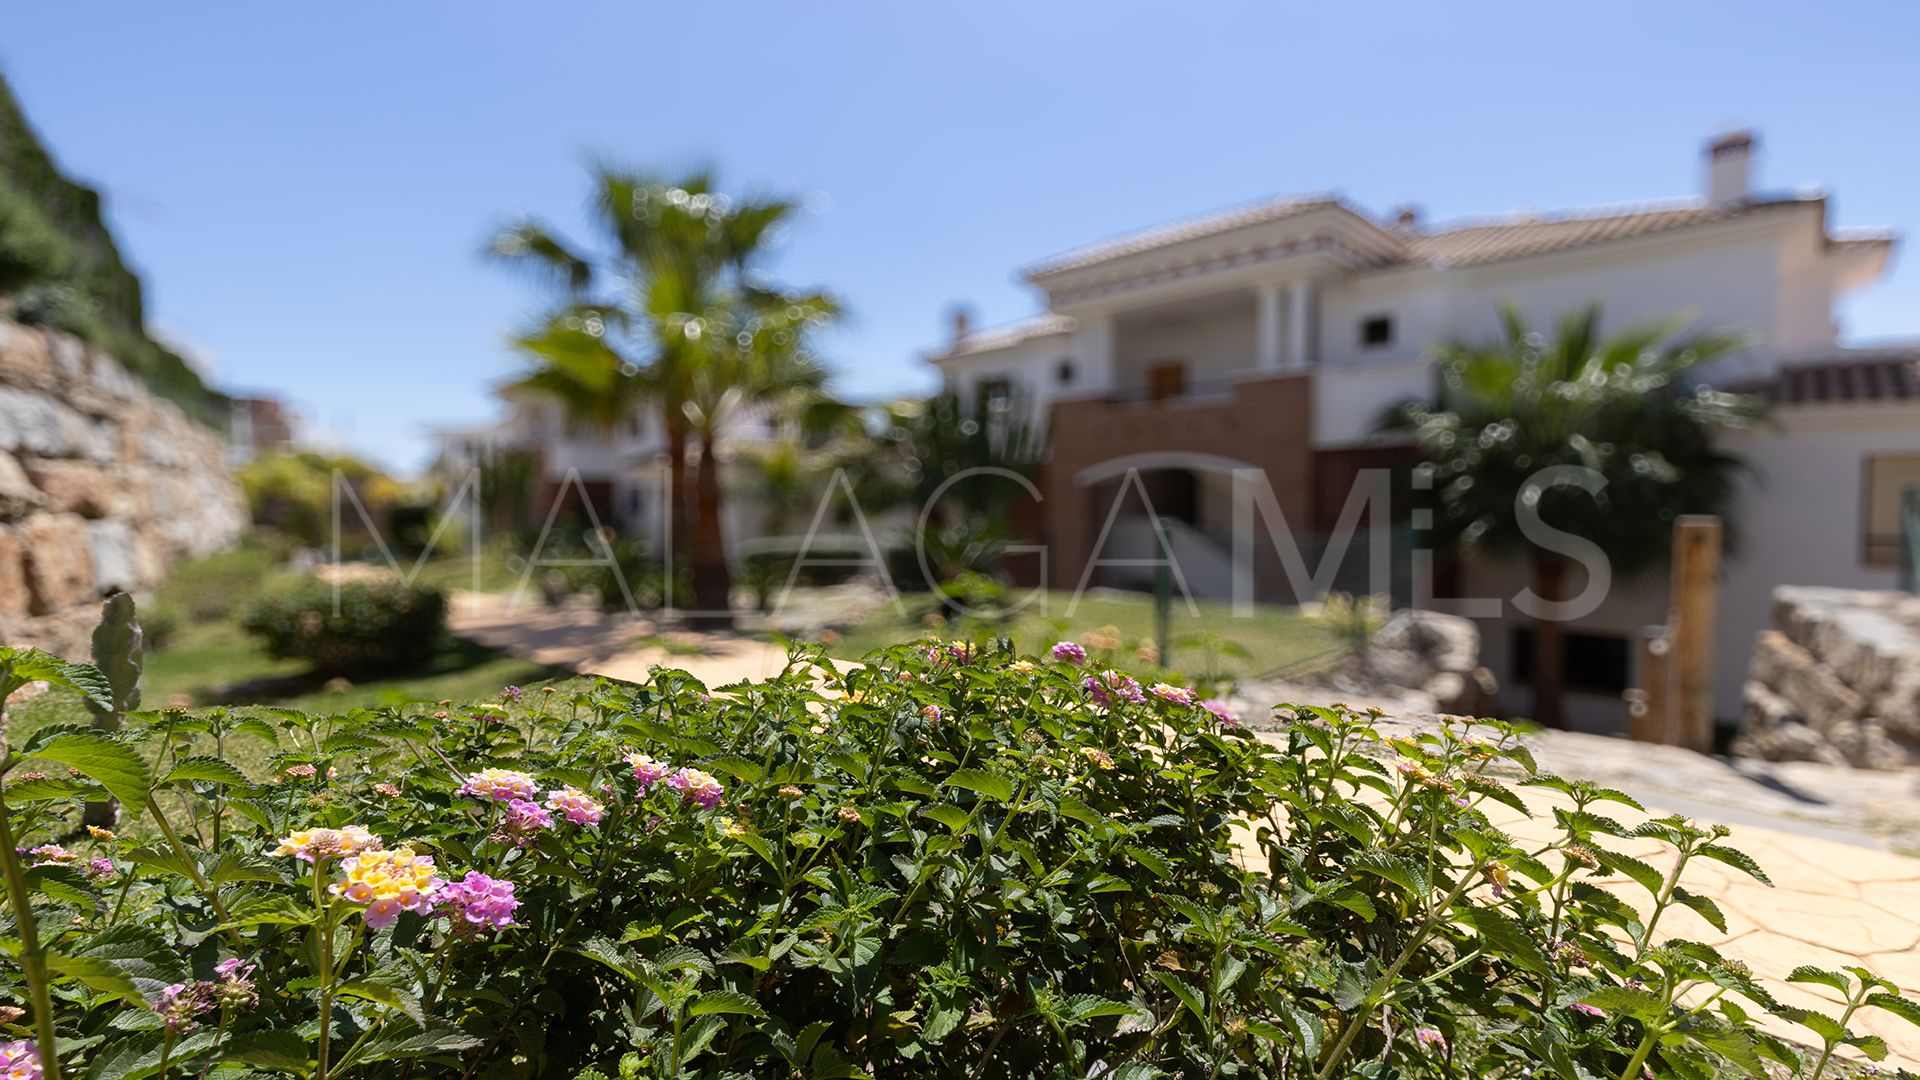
(1376, 331)
(1597, 662)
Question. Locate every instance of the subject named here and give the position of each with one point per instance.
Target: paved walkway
(620, 647)
(1833, 903)
(1839, 896)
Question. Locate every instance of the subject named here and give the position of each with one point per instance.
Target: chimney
(962, 323)
(1729, 167)
(1406, 219)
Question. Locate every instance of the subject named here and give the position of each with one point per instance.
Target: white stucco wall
(1213, 343)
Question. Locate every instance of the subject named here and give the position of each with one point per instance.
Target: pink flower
(51, 855)
(101, 870)
(579, 807)
(180, 1004)
(500, 785)
(523, 820)
(1431, 1038)
(697, 786)
(388, 883)
(512, 693)
(646, 770)
(1069, 652)
(931, 712)
(1178, 695)
(19, 1060)
(1220, 712)
(1585, 1009)
(1112, 688)
(302, 771)
(479, 902)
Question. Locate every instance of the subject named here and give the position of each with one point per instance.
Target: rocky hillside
(102, 486)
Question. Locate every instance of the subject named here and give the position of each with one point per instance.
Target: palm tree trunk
(712, 581)
(1549, 643)
(678, 502)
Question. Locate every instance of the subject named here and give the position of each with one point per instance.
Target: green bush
(947, 863)
(354, 628)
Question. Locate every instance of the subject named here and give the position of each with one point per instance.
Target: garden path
(591, 642)
(1833, 903)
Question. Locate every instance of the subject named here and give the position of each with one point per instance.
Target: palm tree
(1623, 407)
(670, 314)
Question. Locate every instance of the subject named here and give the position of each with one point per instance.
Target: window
(1888, 477)
(1376, 331)
(1595, 663)
(994, 392)
(1064, 373)
(1167, 379)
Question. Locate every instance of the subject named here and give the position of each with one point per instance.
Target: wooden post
(1648, 714)
(1696, 591)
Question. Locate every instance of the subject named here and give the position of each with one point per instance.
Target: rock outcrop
(1419, 663)
(1837, 681)
(102, 487)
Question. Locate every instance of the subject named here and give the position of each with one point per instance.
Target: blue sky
(306, 188)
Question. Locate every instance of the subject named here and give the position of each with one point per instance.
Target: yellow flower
(318, 845)
(99, 833)
(388, 882)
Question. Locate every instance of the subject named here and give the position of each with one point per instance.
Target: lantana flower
(479, 902)
(646, 770)
(181, 1004)
(1069, 652)
(235, 989)
(523, 819)
(19, 1060)
(51, 855)
(1178, 695)
(500, 785)
(319, 845)
(387, 883)
(1110, 688)
(578, 806)
(699, 787)
(1431, 1039)
(1220, 712)
(102, 870)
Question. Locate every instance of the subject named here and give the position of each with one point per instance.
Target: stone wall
(102, 487)
(1837, 681)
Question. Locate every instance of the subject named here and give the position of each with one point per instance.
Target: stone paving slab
(592, 642)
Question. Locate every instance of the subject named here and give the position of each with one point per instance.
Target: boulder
(17, 493)
(1820, 698)
(116, 563)
(84, 488)
(13, 577)
(58, 557)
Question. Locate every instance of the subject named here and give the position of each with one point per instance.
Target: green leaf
(1736, 858)
(1905, 1008)
(1401, 871)
(1639, 1004)
(19, 667)
(140, 953)
(98, 973)
(110, 763)
(729, 1002)
(268, 911)
(1189, 996)
(205, 769)
(1807, 973)
(991, 785)
(267, 1048)
(1504, 937)
(737, 767)
(949, 815)
(395, 999)
(1703, 906)
(436, 1039)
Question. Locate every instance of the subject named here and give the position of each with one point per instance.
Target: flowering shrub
(950, 862)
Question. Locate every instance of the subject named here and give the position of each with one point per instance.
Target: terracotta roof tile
(1507, 238)
(1001, 337)
(1219, 221)
(1849, 376)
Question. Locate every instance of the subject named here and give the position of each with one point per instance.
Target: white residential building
(1274, 336)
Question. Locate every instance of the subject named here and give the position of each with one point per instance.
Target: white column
(1095, 351)
(1267, 355)
(1300, 325)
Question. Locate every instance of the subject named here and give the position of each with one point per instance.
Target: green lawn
(206, 659)
(1212, 643)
